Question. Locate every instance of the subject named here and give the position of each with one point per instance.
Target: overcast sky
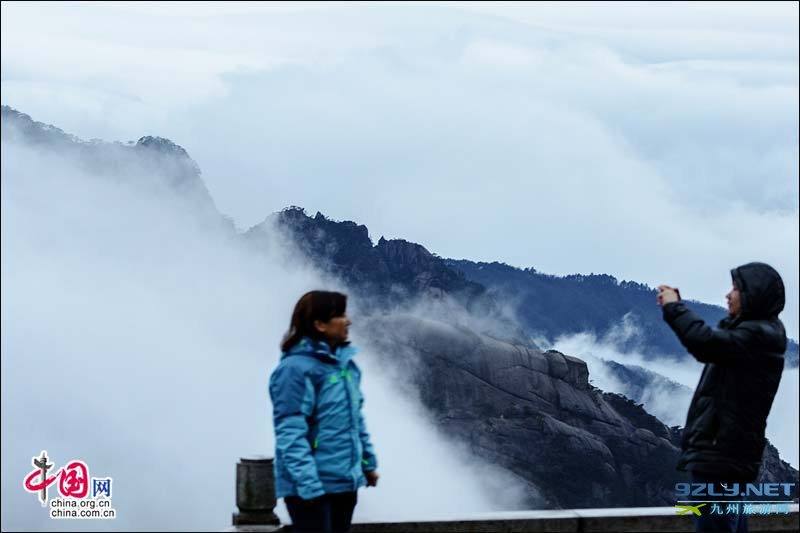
(654, 142)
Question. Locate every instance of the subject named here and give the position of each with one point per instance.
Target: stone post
(255, 492)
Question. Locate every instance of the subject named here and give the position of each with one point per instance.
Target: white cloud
(769, 17)
(783, 424)
(501, 54)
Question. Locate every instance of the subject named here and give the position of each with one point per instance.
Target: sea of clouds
(139, 338)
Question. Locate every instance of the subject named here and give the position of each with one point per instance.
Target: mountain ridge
(544, 304)
(398, 263)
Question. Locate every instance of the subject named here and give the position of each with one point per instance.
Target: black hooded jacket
(743, 356)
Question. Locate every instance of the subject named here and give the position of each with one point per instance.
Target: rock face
(536, 414)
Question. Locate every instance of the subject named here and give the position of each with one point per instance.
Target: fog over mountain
(148, 323)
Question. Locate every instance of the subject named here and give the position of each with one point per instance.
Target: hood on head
(761, 290)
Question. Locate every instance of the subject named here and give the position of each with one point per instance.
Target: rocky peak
(390, 274)
(571, 369)
(325, 237)
(412, 255)
(169, 154)
(345, 249)
(152, 161)
(23, 128)
(162, 145)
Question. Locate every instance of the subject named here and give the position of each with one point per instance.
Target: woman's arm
(293, 398)
(369, 461)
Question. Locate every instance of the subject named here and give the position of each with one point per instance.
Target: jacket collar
(321, 350)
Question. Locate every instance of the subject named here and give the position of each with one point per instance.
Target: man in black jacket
(723, 440)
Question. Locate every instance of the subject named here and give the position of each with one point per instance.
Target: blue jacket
(321, 442)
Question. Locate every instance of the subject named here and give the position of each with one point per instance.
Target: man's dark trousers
(725, 522)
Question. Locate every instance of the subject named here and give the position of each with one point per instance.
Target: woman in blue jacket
(323, 452)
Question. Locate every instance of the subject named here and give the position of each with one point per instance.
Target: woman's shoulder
(353, 368)
(295, 369)
(297, 361)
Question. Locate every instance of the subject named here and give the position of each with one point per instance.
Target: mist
(138, 336)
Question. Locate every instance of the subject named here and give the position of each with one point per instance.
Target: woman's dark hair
(313, 305)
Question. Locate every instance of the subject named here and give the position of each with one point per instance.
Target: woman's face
(734, 302)
(335, 330)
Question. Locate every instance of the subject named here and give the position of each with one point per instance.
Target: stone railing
(642, 519)
(255, 497)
